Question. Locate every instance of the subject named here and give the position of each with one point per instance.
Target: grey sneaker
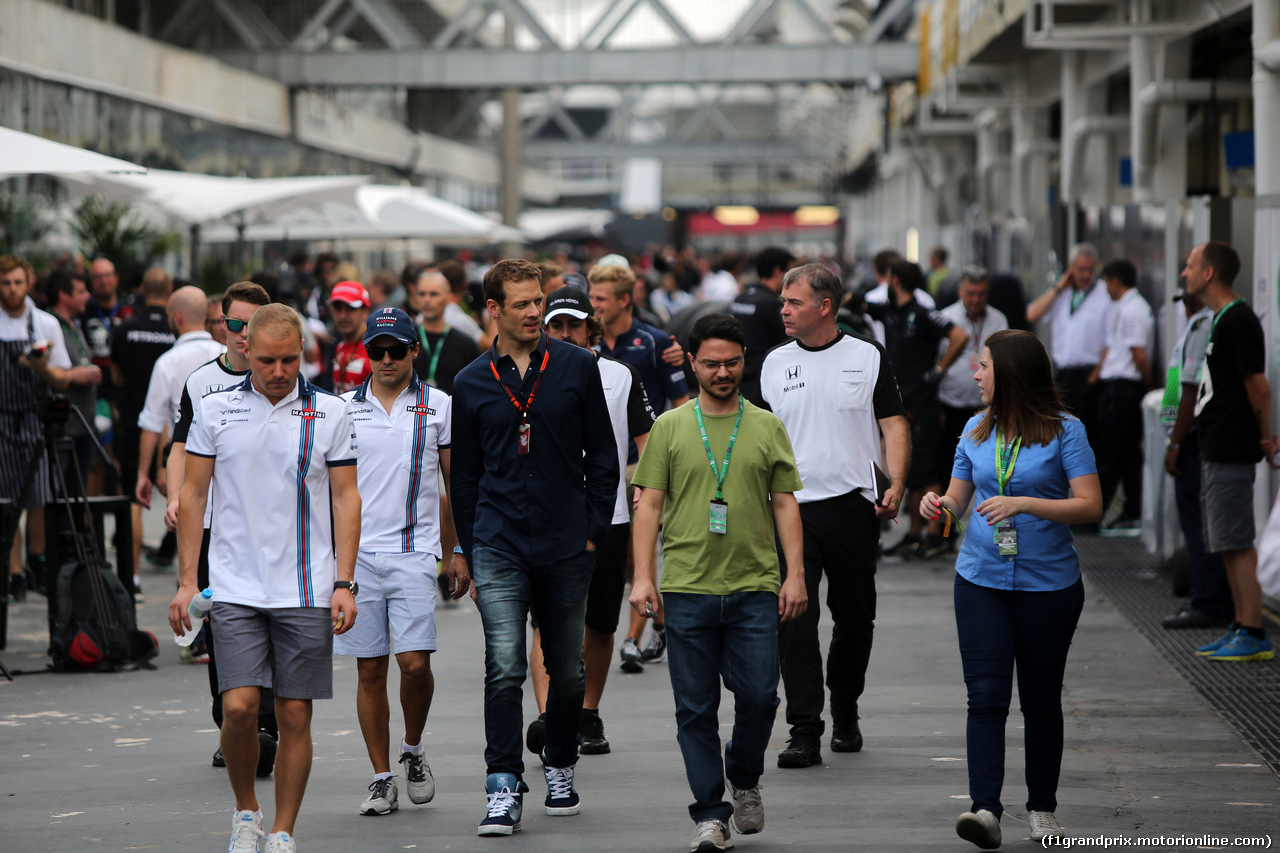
(981, 828)
(711, 835)
(748, 809)
(656, 649)
(417, 774)
(630, 654)
(383, 797)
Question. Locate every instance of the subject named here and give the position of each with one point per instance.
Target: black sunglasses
(396, 351)
(235, 326)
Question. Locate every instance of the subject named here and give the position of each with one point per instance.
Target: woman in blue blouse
(1018, 593)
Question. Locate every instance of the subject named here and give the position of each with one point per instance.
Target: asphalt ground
(120, 761)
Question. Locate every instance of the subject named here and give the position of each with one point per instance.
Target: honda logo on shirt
(793, 372)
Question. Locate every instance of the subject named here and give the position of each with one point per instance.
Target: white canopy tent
(26, 154)
(565, 223)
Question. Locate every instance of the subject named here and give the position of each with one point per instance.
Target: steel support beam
(744, 151)
(491, 68)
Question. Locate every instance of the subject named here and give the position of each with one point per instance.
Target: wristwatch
(351, 585)
(1172, 445)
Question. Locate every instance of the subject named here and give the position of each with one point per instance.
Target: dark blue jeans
(730, 637)
(1210, 592)
(1000, 628)
(508, 588)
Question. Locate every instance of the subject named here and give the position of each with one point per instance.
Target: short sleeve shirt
(1185, 363)
(1046, 558)
(399, 463)
(1131, 326)
(695, 560)
(208, 378)
(831, 400)
(630, 415)
(271, 541)
(456, 351)
(912, 332)
(759, 310)
(1229, 431)
(135, 347)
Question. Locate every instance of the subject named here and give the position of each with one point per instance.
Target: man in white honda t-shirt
(281, 456)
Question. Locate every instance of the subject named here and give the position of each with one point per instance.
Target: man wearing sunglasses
(398, 419)
(238, 304)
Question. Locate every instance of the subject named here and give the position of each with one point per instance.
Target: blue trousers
(508, 589)
(1001, 630)
(734, 638)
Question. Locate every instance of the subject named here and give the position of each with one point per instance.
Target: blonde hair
(277, 321)
(622, 278)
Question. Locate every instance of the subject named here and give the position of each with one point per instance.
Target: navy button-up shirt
(546, 504)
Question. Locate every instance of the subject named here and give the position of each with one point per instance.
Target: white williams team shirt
(831, 400)
(169, 376)
(399, 460)
(1079, 336)
(1131, 326)
(630, 415)
(271, 544)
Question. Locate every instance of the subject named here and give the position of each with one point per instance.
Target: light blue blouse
(1046, 558)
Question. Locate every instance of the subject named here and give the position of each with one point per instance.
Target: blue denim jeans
(999, 628)
(508, 589)
(730, 637)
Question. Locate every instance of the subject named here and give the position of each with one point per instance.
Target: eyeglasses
(714, 366)
(396, 351)
(234, 326)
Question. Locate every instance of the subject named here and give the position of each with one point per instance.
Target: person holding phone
(1018, 592)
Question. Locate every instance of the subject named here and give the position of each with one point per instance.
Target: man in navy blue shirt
(535, 475)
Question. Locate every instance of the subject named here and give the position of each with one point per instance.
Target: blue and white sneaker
(246, 832)
(506, 803)
(1209, 648)
(281, 842)
(1244, 647)
(562, 799)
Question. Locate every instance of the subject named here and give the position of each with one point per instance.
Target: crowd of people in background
(832, 373)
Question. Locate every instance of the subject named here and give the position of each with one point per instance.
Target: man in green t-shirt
(713, 471)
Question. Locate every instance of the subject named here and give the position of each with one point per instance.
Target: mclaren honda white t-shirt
(204, 380)
(399, 464)
(271, 539)
(831, 400)
(630, 415)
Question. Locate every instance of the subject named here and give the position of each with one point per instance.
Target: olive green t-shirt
(744, 558)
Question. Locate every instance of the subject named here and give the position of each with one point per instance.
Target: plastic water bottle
(196, 610)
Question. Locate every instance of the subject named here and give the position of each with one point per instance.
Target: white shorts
(397, 603)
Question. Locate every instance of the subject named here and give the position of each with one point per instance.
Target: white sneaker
(417, 774)
(281, 842)
(382, 799)
(981, 828)
(246, 832)
(710, 835)
(1044, 825)
(748, 809)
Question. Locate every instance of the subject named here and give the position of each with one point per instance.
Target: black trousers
(1080, 398)
(1120, 455)
(953, 421)
(840, 537)
(267, 705)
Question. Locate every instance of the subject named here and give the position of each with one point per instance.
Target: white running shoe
(981, 828)
(1044, 825)
(382, 799)
(246, 832)
(418, 778)
(711, 835)
(748, 809)
(281, 842)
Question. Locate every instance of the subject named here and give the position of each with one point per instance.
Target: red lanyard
(523, 410)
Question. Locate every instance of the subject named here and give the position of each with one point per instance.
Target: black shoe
(907, 544)
(218, 760)
(931, 547)
(593, 740)
(804, 749)
(157, 557)
(1188, 618)
(536, 737)
(18, 587)
(266, 754)
(846, 738)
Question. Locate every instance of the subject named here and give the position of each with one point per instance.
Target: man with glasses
(349, 306)
(402, 435)
(720, 574)
(239, 304)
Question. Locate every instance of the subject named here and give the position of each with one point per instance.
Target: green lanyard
(1003, 474)
(1077, 298)
(1218, 316)
(435, 352)
(702, 428)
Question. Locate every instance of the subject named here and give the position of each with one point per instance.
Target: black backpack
(92, 625)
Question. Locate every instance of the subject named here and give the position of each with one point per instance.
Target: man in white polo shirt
(1124, 375)
(402, 427)
(836, 394)
(281, 457)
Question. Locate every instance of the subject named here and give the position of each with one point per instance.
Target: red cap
(350, 293)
